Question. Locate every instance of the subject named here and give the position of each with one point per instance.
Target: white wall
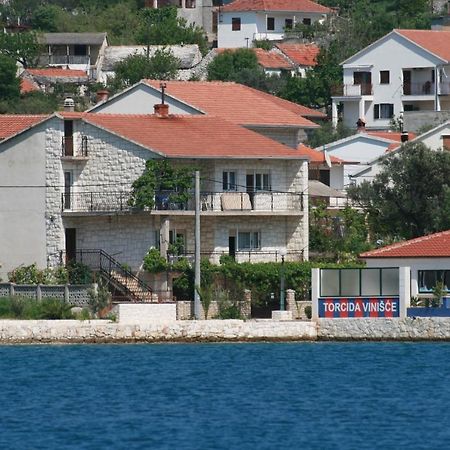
(141, 100)
(232, 39)
(22, 201)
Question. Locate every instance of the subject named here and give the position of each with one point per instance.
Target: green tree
(22, 47)
(161, 26)
(410, 197)
(228, 65)
(161, 66)
(162, 179)
(327, 133)
(9, 83)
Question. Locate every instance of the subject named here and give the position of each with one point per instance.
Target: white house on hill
(243, 21)
(406, 70)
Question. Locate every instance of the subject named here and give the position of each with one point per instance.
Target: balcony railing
(77, 149)
(352, 90)
(64, 59)
(422, 88)
(210, 201)
(444, 88)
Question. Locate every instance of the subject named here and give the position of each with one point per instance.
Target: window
(177, 242)
(235, 24)
(229, 181)
(306, 21)
(446, 141)
(80, 50)
(262, 182)
(190, 4)
(270, 23)
(249, 240)
(383, 111)
(429, 278)
(384, 77)
(288, 24)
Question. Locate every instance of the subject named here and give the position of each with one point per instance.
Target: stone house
(66, 181)
(404, 71)
(243, 21)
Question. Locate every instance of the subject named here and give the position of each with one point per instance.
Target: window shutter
(376, 112)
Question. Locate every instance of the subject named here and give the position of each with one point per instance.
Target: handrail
(106, 264)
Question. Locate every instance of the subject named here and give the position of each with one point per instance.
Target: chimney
(361, 126)
(101, 95)
(404, 137)
(69, 104)
(162, 110)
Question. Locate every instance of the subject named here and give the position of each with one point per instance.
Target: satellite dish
(327, 158)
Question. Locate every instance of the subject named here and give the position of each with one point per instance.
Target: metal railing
(108, 267)
(419, 88)
(69, 148)
(209, 201)
(240, 256)
(352, 89)
(64, 59)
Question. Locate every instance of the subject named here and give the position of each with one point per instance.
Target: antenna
(163, 87)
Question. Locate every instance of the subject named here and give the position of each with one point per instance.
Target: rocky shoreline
(104, 331)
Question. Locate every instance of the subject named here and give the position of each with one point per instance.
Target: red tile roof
(11, 124)
(276, 5)
(27, 86)
(271, 60)
(234, 102)
(435, 245)
(435, 41)
(316, 157)
(301, 54)
(390, 135)
(57, 73)
(192, 136)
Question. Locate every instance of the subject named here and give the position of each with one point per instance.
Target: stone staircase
(133, 287)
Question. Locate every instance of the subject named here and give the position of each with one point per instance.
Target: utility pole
(197, 304)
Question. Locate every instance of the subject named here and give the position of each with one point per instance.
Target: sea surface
(226, 396)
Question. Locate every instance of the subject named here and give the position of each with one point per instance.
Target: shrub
(53, 309)
(99, 298)
(308, 311)
(78, 273)
(154, 262)
(26, 308)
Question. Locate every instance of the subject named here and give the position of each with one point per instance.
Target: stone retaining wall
(91, 331)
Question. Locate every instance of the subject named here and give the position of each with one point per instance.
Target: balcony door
(67, 190)
(363, 79)
(71, 244)
(406, 82)
(68, 138)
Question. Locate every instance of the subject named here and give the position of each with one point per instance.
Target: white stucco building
(66, 181)
(243, 21)
(428, 258)
(437, 139)
(406, 70)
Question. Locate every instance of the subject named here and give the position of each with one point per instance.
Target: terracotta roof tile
(192, 136)
(276, 5)
(11, 124)
(435, 41)
(27, 86)
(301, 54)
(57, 73)
(390, 135)
(435, 245)
(234, 102)
(271, 60)
(316, 157)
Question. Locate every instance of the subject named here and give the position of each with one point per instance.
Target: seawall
(104, 331)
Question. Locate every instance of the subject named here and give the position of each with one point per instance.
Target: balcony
(444, 88)
(62, 60)
(420, 88)
(74, 150)
(352, 90)
(225, 203)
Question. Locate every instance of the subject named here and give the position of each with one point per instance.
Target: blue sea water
(226, 396)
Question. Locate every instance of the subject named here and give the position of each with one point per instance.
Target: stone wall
(420, 328)
(73, 331)
(138, 313)
(98, 331)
